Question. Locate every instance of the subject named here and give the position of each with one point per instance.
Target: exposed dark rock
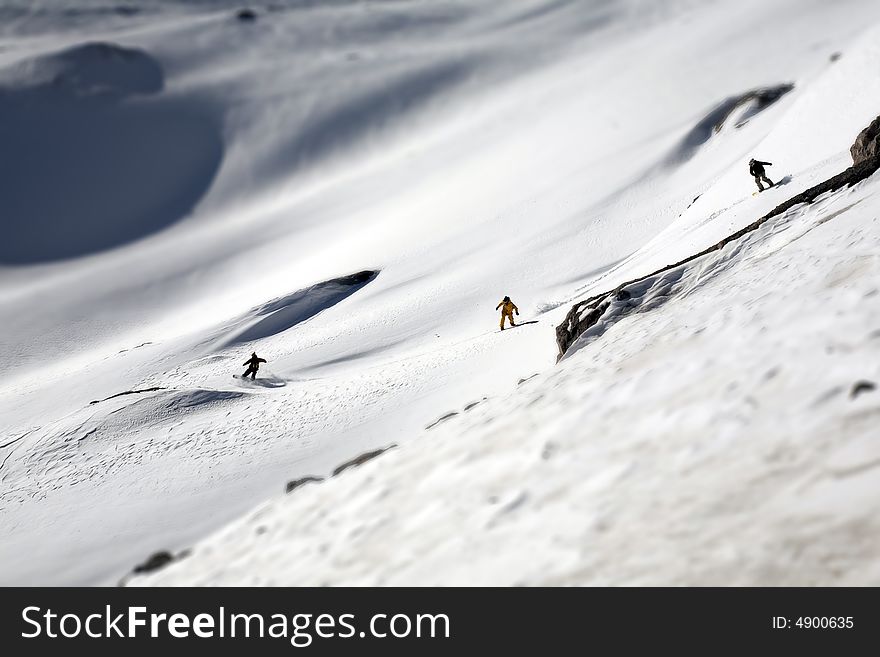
(521, 381)
(296, 483)
(360, 460)
(441, 419)
(155, 562)
(585, 314)
(246, 15)
(835, 56)
(358, 279)
(473, 404)
(867, 145)
(353, 463)
(862, 386)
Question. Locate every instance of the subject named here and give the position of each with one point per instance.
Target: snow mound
(283, 314)
(736, 110)
(90, 69)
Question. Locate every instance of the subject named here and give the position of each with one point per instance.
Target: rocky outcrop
(296, 483)
(360, 460)
(157, 561)
(585, 314)
(441, 419)
(867, 144)
(862, 386)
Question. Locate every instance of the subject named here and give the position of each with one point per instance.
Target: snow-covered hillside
(348, 189)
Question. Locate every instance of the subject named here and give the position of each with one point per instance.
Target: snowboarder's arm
(499, 305)
(516, 309)
(261, 360)
(247, 362)
(766, 164)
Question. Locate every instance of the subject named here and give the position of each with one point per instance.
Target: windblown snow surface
(349, 188)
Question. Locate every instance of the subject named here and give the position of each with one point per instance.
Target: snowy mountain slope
(589, 318)
(715, 438)
(462, 150)
(811, 139)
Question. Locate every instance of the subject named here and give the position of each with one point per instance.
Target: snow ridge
(590, 318)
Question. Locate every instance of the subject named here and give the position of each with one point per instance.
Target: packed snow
(348, 189)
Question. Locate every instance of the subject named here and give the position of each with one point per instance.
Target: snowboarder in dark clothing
(756, 168)
(253, 364)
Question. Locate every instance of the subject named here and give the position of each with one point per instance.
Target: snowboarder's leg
(767, 180)
(758, 182)
(502, 321)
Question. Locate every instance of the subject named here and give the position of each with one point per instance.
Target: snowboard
(266, 381)
(782, 181)
(507, 328)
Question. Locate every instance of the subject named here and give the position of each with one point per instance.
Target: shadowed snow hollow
(93, 156)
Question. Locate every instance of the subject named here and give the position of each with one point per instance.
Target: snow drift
(283, 314)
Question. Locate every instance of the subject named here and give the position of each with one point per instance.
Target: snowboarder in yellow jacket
(507, 309)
